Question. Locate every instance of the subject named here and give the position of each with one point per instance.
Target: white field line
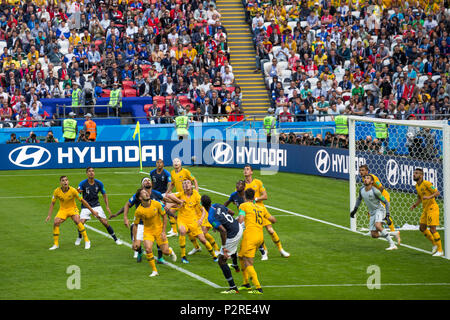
(193, 275)
(355, 285)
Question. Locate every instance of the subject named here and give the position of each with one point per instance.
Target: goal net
(392, 149)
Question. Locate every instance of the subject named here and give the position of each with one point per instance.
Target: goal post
(392, 149)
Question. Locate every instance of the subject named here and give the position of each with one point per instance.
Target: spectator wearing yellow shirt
(86, 38)
(280, 13)
(33, 56)
(290, 43)
(320, 59)
(294, 12)
(317, 45)
(191, 52)
(74, 39)
(284, 26)
(269, 13)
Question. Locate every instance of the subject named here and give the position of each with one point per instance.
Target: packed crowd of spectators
(330, 140)
(324, 58)
(149, 47)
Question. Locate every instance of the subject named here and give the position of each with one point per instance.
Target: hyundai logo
(222, 153)
(322, 161)
(392, 172)
(29, 156)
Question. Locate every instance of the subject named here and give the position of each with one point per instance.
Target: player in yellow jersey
(68, 209)
(427, 193)
(151, 212)
(253, 216)
(178, 175)
(363, 171)
(187, 219)
(260, 195)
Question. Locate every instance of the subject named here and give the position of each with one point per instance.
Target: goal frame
(432, 124)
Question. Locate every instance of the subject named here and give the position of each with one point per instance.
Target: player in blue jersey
(137, 235)
(90, 188)
(221, 218)
(160, 177)
(237, 198)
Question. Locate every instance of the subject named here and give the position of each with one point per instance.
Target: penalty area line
(171, 265)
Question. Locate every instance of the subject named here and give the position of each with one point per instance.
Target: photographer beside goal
(374, 199)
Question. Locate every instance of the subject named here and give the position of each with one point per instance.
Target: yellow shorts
(430, 216)
(191, 226)
(205, 222)
(250, 243)
(62, 214)
(154, 236)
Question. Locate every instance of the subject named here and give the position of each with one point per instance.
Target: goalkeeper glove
(352, 214)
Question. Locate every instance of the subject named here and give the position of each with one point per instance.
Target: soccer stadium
(225, 150)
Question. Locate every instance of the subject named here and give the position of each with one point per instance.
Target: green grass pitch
(327, 260)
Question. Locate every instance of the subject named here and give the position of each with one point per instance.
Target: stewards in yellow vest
(70, 128)
(381, 132)
(181, 125)
(269, 125)
(115, 98)
(341, 122)
(76, 97)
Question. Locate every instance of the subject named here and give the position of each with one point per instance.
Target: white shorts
(86, 213)
(232, 243)
(140, 232)
(377, 216)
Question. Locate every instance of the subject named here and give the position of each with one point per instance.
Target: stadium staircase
(255, 98)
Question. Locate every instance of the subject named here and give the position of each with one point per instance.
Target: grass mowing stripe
(49, 196)
(58, 174)
(319, 220)
(355, 285)
(193, 275)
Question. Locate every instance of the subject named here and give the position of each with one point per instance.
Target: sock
(139, 250)
(228, 276)
(429, 236)
(391, 226)
(244, 273)
(252, 274)
(170, 251)
(111, 232)
(83, 232)
(261, 249)
(151, 261)
(194, 241)
(210, 249)
(131, 232)
(173, 224)
(437, 240)
(182, 241)
(160, 254)
(234, 258)
(386, 235)
(393, 233)
(276, 240)
(211, 240)
(56, 235)
(79, 235)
